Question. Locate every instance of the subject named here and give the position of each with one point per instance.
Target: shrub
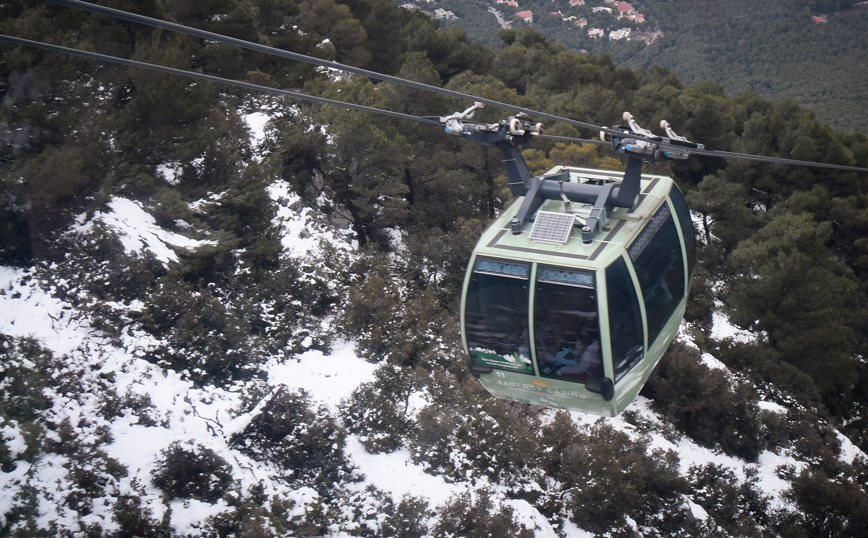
(473, 436)
(605, 476)
(306, 443)
(377, 411)
(133, 519)
(408, 519)
(710, 407)
(479, 518)
(187, 470)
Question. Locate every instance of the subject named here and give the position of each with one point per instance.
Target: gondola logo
(540, 382)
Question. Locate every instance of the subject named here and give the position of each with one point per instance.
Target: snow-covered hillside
(124, 414)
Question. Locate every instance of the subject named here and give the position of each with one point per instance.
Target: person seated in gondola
(582, 358)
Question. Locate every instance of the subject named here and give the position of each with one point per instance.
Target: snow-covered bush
(378, 411)
(192, 471)
(711, 407)
(474, 435)
(469, 517)
(307, 444)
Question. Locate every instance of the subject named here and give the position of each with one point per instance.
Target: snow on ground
(722, 328)
(138, 230)
(296, 224)
(328, 379)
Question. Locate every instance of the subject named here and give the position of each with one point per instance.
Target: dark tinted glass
(659, 264)
(625, 319)
(566, 325)
(496, 315)
(683, 214)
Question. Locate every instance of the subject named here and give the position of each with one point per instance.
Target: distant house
(599, 9)
(624, 8)
(512, 3)
(595, 32)
(443, 14)
(577, 3)
(526, 15)
(556, 13)
(818, 20)
(571, 18)
(581, 22)
(623, 33)
(638, 17)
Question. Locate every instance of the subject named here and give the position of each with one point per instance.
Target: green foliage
(305, 443)
(192, 471)
(378, 410)
(830, 506)
(468, 435)
(605, 476)
(738, 508)
(789, 286)
(133, 519)
(22, 399)
(708, 405)
(477, 518)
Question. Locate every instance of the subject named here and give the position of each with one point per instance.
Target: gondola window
(566, 325)
(496, 315)
(659, 263)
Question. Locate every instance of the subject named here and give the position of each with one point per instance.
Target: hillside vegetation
(774, 48)
(782, 252)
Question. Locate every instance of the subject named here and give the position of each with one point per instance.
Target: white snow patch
(296, 224)
(771, 407)
(170, 172)
(328, 379)
(712, 362)
(572, 531)
(849, 451)
(256, 122)
(188, 515)
(138, 230)
(530, 518)
(722, 328)
(397, 475)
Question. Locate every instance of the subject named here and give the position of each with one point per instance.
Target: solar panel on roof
(552, 227)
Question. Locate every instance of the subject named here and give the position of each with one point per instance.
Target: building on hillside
(526, 15)
(624, 9)
(512, 3)
(581, 22)
(442, 14)
(556, 13)
(595, 32)
(623, 33)
(571, 18)
(599, 9)
(818, 20)
(637, 17)
(577, 3)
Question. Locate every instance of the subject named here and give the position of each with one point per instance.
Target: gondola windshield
(656, 254)
(566, 325)
(625, 319)
(496, 315)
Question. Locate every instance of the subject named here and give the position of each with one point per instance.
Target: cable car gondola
(574, 293)
(572, 296)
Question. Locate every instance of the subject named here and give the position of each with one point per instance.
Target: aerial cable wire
(245, 85)
(211, 78)
(662, 143)
(166, 25)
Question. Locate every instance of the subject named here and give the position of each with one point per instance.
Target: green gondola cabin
(555, 316)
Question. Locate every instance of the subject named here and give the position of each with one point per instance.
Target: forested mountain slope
(774, 49)
(225, 314)
(810, 51)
